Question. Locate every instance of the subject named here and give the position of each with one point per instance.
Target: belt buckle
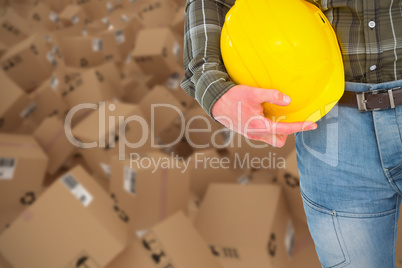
(362, 102)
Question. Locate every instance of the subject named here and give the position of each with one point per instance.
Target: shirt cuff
(210, 87)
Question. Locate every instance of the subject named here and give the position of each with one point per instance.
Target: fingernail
(286, 99)
(311, 127)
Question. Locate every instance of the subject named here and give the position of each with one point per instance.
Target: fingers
(290, 128)
(259, 125)
(276, 140)
(271, 96)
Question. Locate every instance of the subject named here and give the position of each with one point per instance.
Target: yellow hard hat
(285, 45)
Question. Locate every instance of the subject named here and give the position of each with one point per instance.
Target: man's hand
(240, 109)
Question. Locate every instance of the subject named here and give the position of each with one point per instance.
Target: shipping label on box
(77, 190)
(130, 180)
(7, 168)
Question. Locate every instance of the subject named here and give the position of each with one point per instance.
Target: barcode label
(75, 19)
(290, 239)
(77, 190)
(54, 83)
(54, 17)
(97, 44)
(120, 38)
(51, 59)
(176, 49)
(28, 110)
(124, 18)
(173, 82)
(106, 169)
(141, 233)
(130, 180)
(109, 6)
(105, 20)
(243, 180)
(7, 168)
(55, 49)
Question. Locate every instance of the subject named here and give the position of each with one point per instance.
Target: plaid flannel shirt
(369, 33)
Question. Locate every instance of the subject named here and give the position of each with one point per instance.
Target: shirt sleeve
(205, 77)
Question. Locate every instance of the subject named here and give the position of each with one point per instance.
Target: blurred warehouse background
(208, 198)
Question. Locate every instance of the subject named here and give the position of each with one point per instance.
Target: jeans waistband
(359, 87)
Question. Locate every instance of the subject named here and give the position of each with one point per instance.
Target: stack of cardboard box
(106, 162)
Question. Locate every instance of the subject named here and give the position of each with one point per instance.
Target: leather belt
(373, 99)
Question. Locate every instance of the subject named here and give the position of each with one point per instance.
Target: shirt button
(371, 24)
(373, 67)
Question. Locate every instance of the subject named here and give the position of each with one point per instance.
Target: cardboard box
(135, 88)
(149, 193)
(180, 3)
(290, 181)
(73, 15)
(96, 9)
(121, 17)
(157, 52)
(14, 29)
(22, 169)
(26, 63)
(22, 8)
(56, 37)
(3, 49)
(90, 86)
(171, 141)
(96, 27)
(13, 104)
(43, 19)
(27, 126)
(132, 6)
(7, 216)
(102, 126)
(74, 160)
(304, 254)
(75, 213)
(52, 138)
(135, 255)
(193, 206)
(118, 42)
(161, 109)
(48, 101)
(263, 176)
(157, 13)
(202, 131)
(130, 69)
(208, 166)
(57, 6)
(177, 24)
(176, 243)
(82, 51)
(110, 72)
(250, 154)
(4, 263)
(247, 225)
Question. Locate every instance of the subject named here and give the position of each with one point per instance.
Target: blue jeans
(351, 181)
